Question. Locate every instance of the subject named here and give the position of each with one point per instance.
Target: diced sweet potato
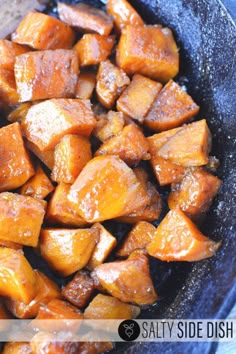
(47, 290)
(8, 92)
(104, 182)
(178, 239)
(15, 165)
(10, 244)
(68, 250)
(130, 145)
(47, 157)
(190, 146)
(128, 280)
(94, 48)
(123, 13)
(47, 122)
(40, 31)
(21, 218)
(85, 85)
(46, 74)
(49, 343)
(141, 234)
(148, 50)
(21, 281)
(107, 307)
(107, 242)
(111, 81)
(9, 51)
(194, 194)
(17, 348)
(71, 155)
(85, 17)
(171, 108)
(19, 113)
(79, 290)
(61, 210)
(166, 171)
(109, 126)
(138, 97)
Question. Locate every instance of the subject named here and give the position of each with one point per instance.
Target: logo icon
(129, 330)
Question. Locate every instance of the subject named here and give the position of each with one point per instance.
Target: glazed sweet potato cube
(85, 85)
(46, 74)
(107, 242)
(190, 146)
(148, 50)
(15, 165)
(61, 210)
(47, 290)
(130, 145)
(171, 108)
(79, 290)
(128, 280)
(19, 113)
(9, 51)
(10, 244)
(8, 91)
(17, 348)
(106, 181)
(86, 18)
(142, 90)
(48, 121)
(107, 307)
(40, 31)
(68, 250)
(195, 193)
(109, 126)
(71, 155)
(44, 342)
(21, 218)
(111, 81)
(47, 157)
(165, 171)
(93, 48)
(123, 13)
(21, 280)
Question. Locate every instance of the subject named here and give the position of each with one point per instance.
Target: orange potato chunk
(40, 31)
(10, 244)
(148, 50)
(71, 155)
(17, 348)
(15, 165)
(94, 48)
(142, 90)
(111, 81)
(49, 343)
(9, 51)
(195, 193)
(19, 113)
(190, 146)
(171, 108)
(46, 74)
(21, 280)
(86, 18)
(47, 122)
(8, 92)
(109, 126)
(178, 239)
(130, 145)
(106, 181)
(85, 85)
(128, 280)
(47, 157)
(68, 250)
(123, 13)
(21, 218)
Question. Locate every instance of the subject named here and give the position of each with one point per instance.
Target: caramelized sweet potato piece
(21, 280)
(68, 250)
(46, 74)
(47, 157)
(148, 50)
(15, 165)
(17, 348)
(44, 342)
(79, 290)
(107, 242)
(85, 85)
(194, 194)
(111, 81)
(19, 113)
(47, 122)
(9, 51)
(106, 181)
(109, 126)
(10, 244)
(138, 97)
(178, 239)
(40, 31)
(85, 17)
(190, 146)
(21, 218)
(94, 48)
(71, 155)
(123, 13)
(130, 145)
(8, 92)
(172, 107)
